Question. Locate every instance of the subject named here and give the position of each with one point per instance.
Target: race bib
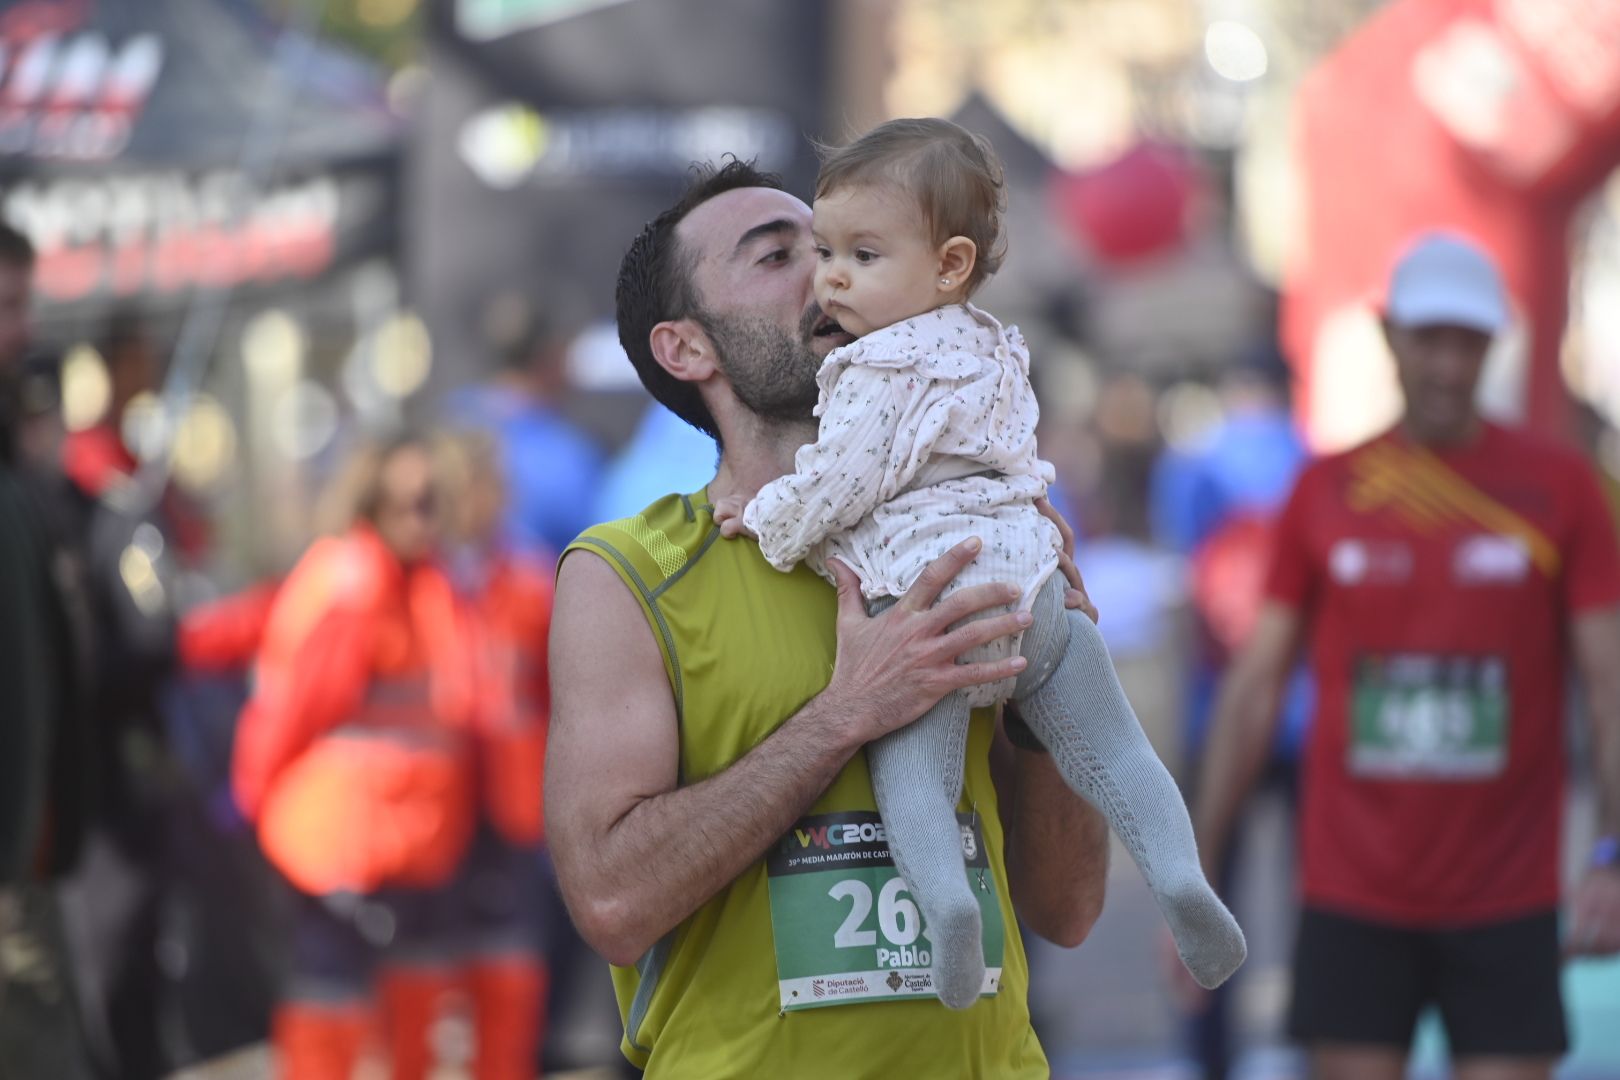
(1418, 716)
(845, 925)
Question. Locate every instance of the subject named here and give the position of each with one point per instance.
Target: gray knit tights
(1070, 697)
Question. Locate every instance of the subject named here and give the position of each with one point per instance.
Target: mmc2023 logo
(864, 839)
(838, 834)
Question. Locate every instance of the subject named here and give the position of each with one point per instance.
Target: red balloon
(1133, 208)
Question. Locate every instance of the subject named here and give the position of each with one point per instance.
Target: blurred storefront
(191, 163)
(553, 127)
(1497, 118)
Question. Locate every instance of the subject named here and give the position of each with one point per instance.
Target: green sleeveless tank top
(745, 647)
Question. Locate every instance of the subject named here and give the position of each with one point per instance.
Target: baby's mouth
(828, 327)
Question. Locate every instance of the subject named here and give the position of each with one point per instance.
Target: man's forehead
(714, 228)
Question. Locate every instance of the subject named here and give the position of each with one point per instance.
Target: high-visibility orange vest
(356, 754)
(514, 619)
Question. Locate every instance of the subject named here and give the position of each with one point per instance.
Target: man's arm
(635, 853)
(1057, 845)
(1594, 926)
(1241, 730)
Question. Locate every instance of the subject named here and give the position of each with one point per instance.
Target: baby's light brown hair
(953, 175)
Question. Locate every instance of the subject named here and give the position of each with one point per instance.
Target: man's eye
(779, 255)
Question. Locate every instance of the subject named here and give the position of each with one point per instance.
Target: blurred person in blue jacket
(664, 454)
(551, 465)
(1214, 503)
(1146, 587)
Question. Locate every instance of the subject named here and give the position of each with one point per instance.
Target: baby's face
(875, 261)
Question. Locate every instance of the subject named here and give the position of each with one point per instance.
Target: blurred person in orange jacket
(356, 760)
(502, 886)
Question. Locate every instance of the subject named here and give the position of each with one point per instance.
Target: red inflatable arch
(1491, 117)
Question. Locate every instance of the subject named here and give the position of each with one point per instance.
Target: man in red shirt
(1443, 576)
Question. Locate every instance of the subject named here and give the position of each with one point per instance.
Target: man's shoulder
(1325, 471)
(1535, 450)
(655, 544)
(1381, 450)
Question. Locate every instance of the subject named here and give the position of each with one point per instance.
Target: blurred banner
(151, 148)
(1491, 117)
(556, 128)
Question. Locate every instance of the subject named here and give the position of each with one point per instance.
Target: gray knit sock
(1071, 698)
(917, 778)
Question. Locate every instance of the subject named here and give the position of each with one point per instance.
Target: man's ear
(957, 257)
(683, 349)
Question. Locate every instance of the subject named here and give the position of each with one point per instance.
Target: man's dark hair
(655, 285)
(15, 248)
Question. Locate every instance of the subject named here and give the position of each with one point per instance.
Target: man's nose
(1454, 363)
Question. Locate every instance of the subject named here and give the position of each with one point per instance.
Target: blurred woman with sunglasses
(356, 760)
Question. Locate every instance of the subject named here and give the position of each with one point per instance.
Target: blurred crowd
(310, 811)
(251, 800)
(311, 807)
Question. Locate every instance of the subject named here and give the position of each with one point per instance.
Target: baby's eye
(862, 255)
(823, 252)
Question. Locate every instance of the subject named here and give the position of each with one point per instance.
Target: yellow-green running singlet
(745, 647)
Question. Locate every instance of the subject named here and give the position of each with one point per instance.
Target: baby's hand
(728, 513)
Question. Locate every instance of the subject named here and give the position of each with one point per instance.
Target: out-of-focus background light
(86, 390)
(401, 355)
(1235, 51)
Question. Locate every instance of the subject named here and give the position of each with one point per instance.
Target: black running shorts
(1496, 985)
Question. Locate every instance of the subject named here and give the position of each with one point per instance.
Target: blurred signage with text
(123, 235)
(67, 91)
(549, 141)
(511, 142)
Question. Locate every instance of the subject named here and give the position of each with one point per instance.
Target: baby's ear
(957, 257)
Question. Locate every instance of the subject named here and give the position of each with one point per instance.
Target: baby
(927, 437)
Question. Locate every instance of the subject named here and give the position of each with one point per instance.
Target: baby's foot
(1207, 936)
(958, 956)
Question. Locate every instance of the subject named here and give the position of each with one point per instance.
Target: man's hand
(1594, 921)
(893, 668)
(728, 511)
(1076, 597)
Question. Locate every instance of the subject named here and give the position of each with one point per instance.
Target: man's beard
(771, 373)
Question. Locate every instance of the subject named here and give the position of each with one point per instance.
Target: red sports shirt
(1437, 590)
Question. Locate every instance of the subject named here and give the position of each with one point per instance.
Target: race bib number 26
(845, 925)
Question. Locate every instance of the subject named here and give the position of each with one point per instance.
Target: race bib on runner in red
(1422, 716)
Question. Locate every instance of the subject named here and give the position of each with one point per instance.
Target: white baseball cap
(1444, 279)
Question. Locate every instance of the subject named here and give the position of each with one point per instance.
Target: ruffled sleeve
(836, 480)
